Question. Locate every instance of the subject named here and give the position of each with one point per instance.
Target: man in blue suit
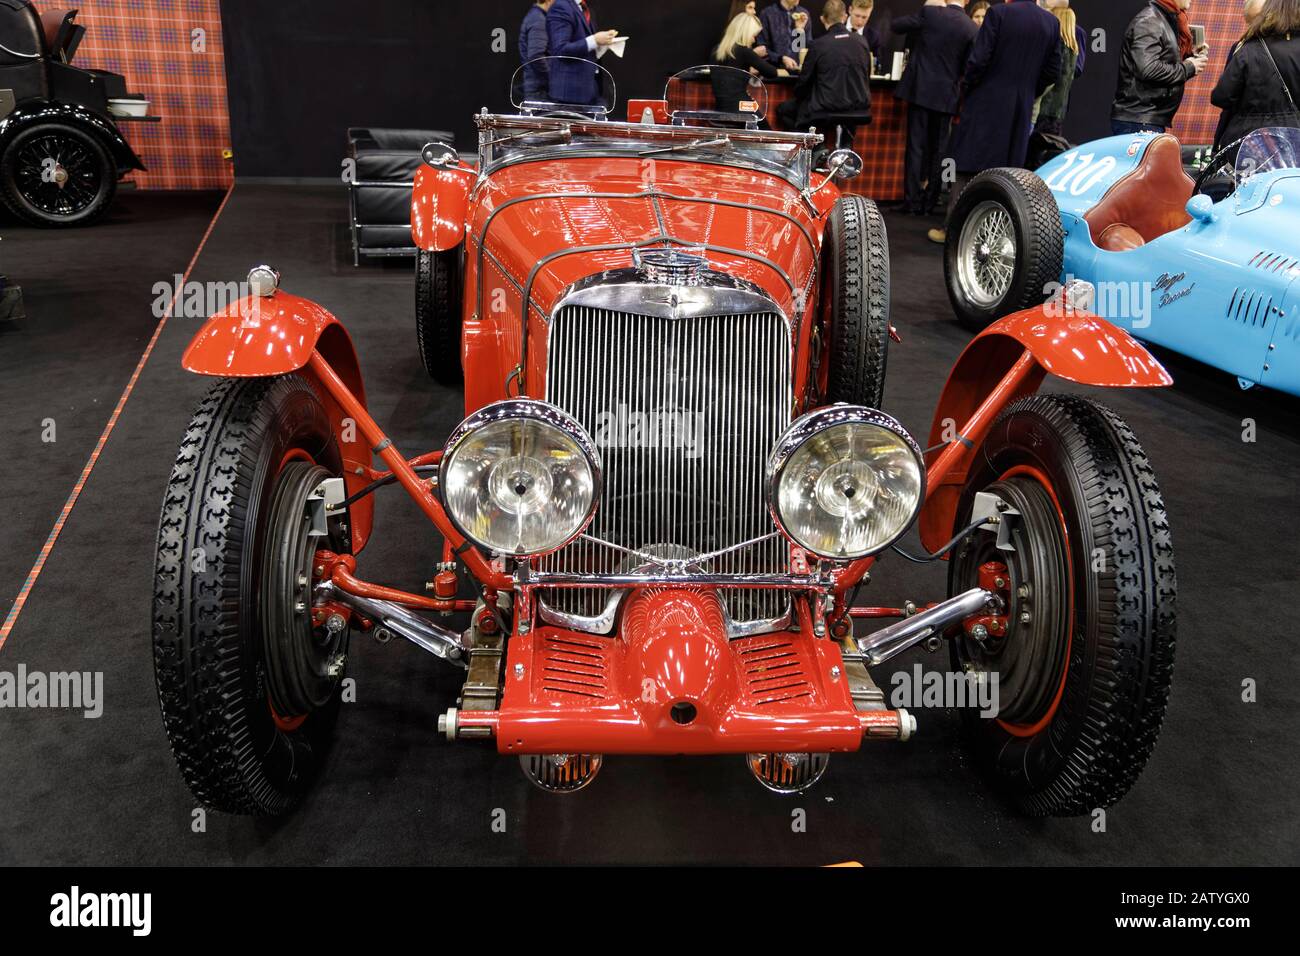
(533, 41)
(1016, 56)
(778, 32)
(939, 38)
(572, 31)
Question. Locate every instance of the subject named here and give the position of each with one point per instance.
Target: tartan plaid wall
(881, 145)
(1197, 118)
(153, 44)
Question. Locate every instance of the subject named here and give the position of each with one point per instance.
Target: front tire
(1085, 659)
(54, 174)
(854, 332)
(223, 544)
(1005, 246)
(438, 279)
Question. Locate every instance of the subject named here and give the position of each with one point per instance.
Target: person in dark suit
(572, 32)
(1016, 56)
(835, 77)
(940, 37)
(859, 22)
(778, 33)
(534, 85)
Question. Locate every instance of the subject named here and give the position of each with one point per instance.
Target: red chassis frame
(570, 692)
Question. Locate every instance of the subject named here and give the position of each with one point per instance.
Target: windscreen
(563, 84)
(717, 89)
(1266, 150)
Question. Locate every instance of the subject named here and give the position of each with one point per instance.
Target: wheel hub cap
(986, 257)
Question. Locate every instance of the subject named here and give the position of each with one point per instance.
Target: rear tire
(855, 303)
(1084, 683)
(84, 162)
(244, 443)
(438, 279)
(1005, 246)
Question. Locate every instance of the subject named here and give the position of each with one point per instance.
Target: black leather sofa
(379, 192)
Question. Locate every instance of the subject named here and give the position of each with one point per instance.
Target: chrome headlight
(520, 478)
(845, 482)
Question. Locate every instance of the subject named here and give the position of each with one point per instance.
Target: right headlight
(845, 482)
(520, 478)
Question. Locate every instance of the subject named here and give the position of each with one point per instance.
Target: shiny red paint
(658, 110)
(260, 336)
(1003, 364)
(439, 200)
(418, 488)
(775, 225)
(339, 569)
(567, 692)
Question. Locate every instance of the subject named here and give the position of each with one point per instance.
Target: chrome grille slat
(734, 371)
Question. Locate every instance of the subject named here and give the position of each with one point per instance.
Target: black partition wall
(299, 72)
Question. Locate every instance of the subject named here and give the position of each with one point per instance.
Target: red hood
(524, 233)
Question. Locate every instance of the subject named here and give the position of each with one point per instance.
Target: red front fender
(439, 202)
(261, 336)
(1076, 346)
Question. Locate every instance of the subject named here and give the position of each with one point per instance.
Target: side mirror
(844, 164)
(439, 155)
(1201, 208)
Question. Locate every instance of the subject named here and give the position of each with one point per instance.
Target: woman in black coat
(1261, 82)
(731, 88)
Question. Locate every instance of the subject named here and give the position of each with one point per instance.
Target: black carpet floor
(1220, 787)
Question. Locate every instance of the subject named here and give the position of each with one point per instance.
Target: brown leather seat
(1146, 203)
(52, 25)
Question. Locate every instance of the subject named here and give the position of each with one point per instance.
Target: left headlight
(845, 482)
(520, 478)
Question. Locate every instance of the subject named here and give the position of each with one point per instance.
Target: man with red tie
(573, 33)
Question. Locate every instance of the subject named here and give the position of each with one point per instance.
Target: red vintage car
(673, 483)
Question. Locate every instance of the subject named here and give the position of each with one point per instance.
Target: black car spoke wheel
(57, 175)
(249, 689)
(1083, 654)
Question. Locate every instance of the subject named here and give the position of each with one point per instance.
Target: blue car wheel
(1005, 246)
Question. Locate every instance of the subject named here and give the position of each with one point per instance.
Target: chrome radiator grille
(685, 412)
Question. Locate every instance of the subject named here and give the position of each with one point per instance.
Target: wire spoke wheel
(55, 175)
(987, 254)
(1005, 246)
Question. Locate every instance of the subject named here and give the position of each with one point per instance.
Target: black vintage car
(61, 152)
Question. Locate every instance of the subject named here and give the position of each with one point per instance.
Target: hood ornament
(671, 266)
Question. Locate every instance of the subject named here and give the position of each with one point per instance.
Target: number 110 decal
(1080, 172)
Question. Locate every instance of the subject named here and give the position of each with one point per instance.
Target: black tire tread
(437, 314)
(1043, 239)
(859, 350)
(197, 641)
(1123, 706)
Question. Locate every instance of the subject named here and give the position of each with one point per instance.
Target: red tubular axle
(405, 474)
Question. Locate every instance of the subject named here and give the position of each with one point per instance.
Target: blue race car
(1211, 280)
